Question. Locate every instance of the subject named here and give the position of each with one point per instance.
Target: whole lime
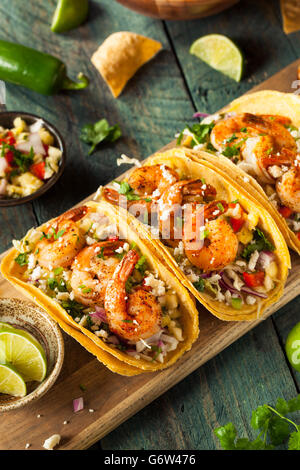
(292, 347)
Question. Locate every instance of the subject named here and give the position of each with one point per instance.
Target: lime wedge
(11, 382)
(24, 352)
(220, 53)
(69, 14)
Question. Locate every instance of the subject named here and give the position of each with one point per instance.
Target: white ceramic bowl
(26, 315)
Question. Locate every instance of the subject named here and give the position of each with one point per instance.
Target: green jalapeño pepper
(69, 14)
(36, 70)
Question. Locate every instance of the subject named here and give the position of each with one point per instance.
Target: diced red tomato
(236, 224)
(254, 279)
(286, 212)
(232, 205)
(38, 169)
(113, 238)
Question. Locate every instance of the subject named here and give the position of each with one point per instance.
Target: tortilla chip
(121, 55)
(291, 15)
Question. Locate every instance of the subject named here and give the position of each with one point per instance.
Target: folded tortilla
(261, 102)
(182, 161)
(115, 359)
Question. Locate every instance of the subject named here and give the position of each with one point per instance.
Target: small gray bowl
(28, 316)
(6, 121)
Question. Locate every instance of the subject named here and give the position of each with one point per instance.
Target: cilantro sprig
(259, 243)
(273, 425)
(201, 133)
(99, 132)
(22, 160)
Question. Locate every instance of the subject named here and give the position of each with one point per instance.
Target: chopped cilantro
(127, 191)
(220, 207)
(259, 243)
(199, 285)
(141, 265)
(22, 259)
(231, 139)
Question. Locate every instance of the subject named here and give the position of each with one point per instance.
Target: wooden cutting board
(109, 398)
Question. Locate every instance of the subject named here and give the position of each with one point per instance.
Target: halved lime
(292, 347)
(24, 352)
(69, 14)
(11, 382)
(220, 53)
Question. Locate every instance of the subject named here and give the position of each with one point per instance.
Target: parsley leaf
(99, 132)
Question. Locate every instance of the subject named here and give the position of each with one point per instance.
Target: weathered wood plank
(256, 26)
(252, 371)
(150, 110)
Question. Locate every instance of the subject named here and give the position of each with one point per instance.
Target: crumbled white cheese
(179, 250)
(36, 273)
(253, 260)
(157, 285)
(130, 161)
(31, 261)
(275, 171)
(250, 300)
(101, 333)
(237, 281)
(51, 442)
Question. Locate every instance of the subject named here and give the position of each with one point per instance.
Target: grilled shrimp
(130, 316)
(149, 179)
(141, 208)
(288, 188)
(259, 153)
(171, 202)
(237, 129)
(62, 240)
(218, 245)
(91, 270)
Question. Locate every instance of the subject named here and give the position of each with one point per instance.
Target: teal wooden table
(158, 102)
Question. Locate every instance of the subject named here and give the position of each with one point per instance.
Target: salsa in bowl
(32, 157)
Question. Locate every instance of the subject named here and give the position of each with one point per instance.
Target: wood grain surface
(123, 396)
(156, 104)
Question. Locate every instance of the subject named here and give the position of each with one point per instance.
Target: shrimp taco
(222, 245)
(104, 285)
(256, 140)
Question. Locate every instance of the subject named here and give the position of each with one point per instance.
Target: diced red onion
(226, 283)
(198, 114)
(3, 185)
(131, 352)
(3, 164)
(113, 339)
(99, 313)
(36, 126)
(34, 141)
(78, 404)
(265, 259)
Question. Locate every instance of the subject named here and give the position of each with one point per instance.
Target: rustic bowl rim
(52, 377)
(62, 146)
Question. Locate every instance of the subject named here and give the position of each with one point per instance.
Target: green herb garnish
(273, 426)
(127, 191)
(22, 259)
(141, 265)
(199, 285)
(259, 243)
(101, 131)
